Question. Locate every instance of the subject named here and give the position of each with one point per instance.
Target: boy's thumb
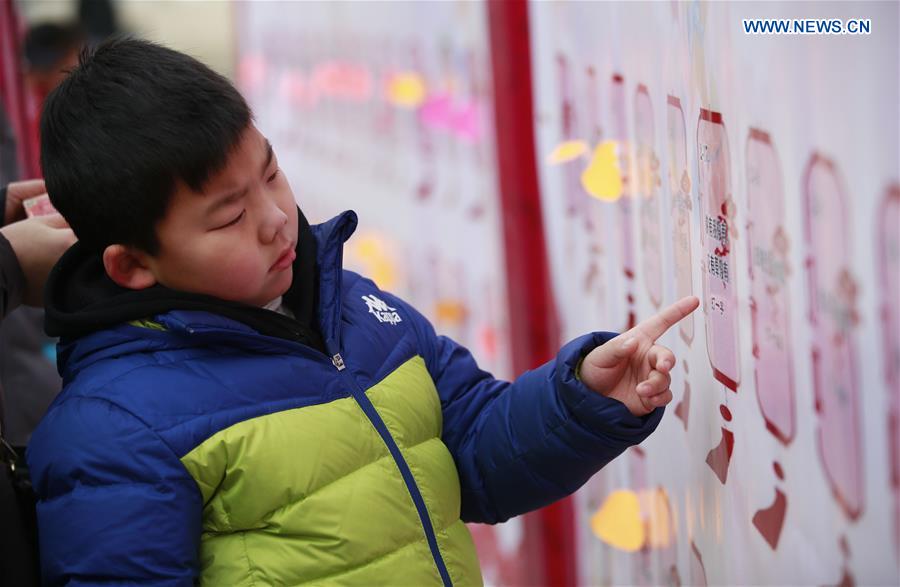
(613, 352)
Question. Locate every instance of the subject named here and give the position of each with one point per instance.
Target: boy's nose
(273, 223)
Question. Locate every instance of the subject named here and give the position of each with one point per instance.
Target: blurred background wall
(203, 28)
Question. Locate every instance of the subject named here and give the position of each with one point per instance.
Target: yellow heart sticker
(618, 521)
(371, 253)
(603, 179)
(406, 90)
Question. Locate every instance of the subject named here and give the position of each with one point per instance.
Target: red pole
(534, 327)
(12, 90)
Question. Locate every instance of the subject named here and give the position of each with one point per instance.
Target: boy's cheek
(238, 274)
(229, 270)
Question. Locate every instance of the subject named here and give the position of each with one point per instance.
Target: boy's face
(236, 240)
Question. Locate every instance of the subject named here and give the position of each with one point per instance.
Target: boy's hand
(16, 193)
(632, 368)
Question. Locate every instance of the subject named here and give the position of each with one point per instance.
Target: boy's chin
(279, 289)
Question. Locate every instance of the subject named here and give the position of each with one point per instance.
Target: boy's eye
(272, 177)
(234, 221)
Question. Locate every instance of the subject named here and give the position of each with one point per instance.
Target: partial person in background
(28, 363)
(49, 49)
(97, 19)
(8, 164)
(28, 249)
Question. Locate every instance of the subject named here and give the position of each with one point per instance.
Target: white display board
(385, 109)
(681, 156)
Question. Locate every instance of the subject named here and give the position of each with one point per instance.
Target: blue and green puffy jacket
(189, 447)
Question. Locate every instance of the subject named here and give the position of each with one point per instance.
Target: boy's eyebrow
(228, 199)
(223, 202)
(269, 154)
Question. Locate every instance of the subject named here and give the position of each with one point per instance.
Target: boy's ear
(127, 267)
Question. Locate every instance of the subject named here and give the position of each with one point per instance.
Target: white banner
(681, 155)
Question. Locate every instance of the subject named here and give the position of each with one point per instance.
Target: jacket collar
(331, 237)
(190, 328)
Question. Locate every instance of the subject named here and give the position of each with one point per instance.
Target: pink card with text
(768, 243)
(888, 234)
(39, 206)
(648, 174)
(680, 190)
(833, 292)
(620, 135)
(574, 195)
(716, 236)
(889, 273)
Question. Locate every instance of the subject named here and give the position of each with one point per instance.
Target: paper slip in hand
(39, 206)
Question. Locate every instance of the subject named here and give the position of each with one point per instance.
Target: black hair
(129, 122)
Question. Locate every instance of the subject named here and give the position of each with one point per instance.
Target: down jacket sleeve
(115, 504)
(521, 445)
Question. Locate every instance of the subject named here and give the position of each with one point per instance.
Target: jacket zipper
(359, 395)
(375, 419)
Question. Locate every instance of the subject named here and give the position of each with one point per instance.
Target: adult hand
(16, 193)
(632, 368)
(38, 243)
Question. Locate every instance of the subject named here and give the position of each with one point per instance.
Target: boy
(240, 410)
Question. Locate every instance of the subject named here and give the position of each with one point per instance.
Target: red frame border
(534, 327)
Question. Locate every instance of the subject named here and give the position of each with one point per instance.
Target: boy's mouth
(285, 260)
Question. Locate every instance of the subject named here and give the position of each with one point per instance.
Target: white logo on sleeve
(381, 310)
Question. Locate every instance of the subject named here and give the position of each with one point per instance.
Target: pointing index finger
(656, 326)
